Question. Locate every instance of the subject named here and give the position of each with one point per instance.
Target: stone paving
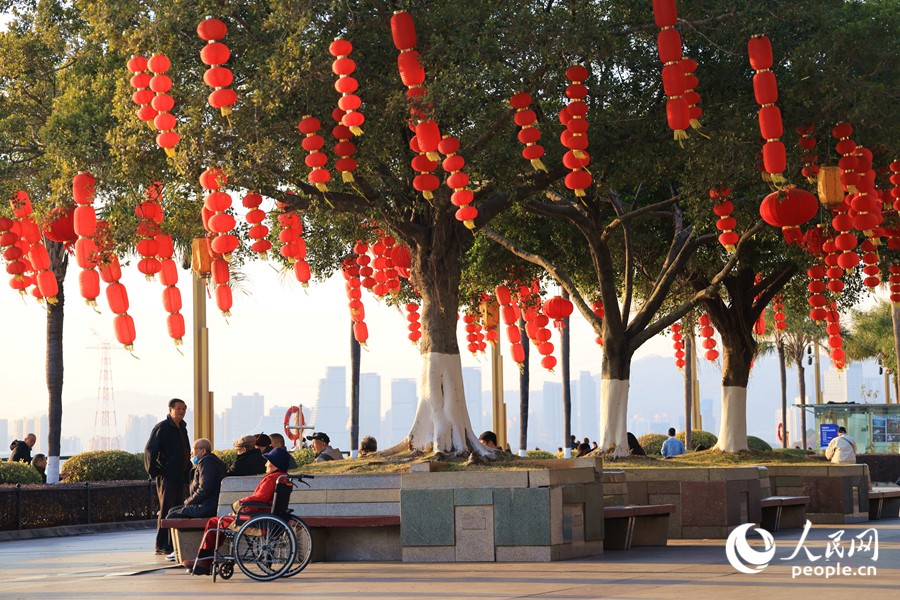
(118, 565)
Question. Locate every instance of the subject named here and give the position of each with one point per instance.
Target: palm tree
(874, 336)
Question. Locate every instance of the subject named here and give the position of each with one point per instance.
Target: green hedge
(228, 456)
(18, 472)
(652, 443)
(104, 465)
(699, 437)
(540, 455)
(755, 443)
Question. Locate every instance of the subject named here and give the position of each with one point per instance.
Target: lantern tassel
(695, 124)
(579, 154)
(428, 195)
(433, 156)
(729, 248)
(170, 152)
(226, 110)
(356, 130)
(226, 314)
(347, 176)
(322, 188)
(52, 300)
(470, 224)
(150, 277)
(778, 179)
(539, 165)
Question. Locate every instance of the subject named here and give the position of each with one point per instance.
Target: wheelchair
(268, 545)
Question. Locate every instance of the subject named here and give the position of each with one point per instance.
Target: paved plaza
(119, 565)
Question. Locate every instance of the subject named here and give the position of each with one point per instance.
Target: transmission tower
(106, 436)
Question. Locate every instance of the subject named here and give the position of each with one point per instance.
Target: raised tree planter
(451, 516)
(837, 493)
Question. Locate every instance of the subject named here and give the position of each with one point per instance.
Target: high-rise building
(40, 427)
(384, 441)
(220, 441)
(19, 426)
(472, 387)
(706, 413)
(404, 402)
(844, 386)
(553, 415)
(272, 423)
(137, 431)
(589, 417)
(4, 434)
(70, 446)
(331, 412)
(370, 406)
(243, 416)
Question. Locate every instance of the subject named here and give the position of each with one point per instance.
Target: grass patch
(402, 463)
(712, 458)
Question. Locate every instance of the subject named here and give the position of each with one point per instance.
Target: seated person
(276, 466)
(583, 449)
(264, 443)
(489, 439)
(368, 445)
(250, 460)
(278, 442)
(39, 462)
(324, 452)
(634, 447)
(206, 482)
(672, 446)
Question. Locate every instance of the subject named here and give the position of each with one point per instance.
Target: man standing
(21, 450)
(841, 449)
(672, 446)
(167, 458)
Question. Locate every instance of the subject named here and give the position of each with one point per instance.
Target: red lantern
(669, 43)
(163, 121)
(457, 180)
(597, 308)
(788, 209)
(707, 332)
(215, 54)
(349, 103)
(319, 175)
(688, 67)
(558, 309)
(726, 224)
(765, 88)
(529, 134)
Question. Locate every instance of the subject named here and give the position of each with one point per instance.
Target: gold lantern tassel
(149, 277)
(578, 154)
(150, 125)
(729, 248)
(579, 193)
(226, 110)
(537, 164)
(778, 179)
(695, 123)
(356, 130)
(470, 224)
(179, 341)
(347, 176)
(170, 152)
(433, 156)
(322, 188)
(428, 195)
(52, 300)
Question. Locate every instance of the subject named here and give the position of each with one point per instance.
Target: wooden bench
(636, 525)
(783, 512)
(884, 504)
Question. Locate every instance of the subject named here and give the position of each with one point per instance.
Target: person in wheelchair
(276, 465)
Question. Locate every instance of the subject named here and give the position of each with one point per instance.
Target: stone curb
(51, 532)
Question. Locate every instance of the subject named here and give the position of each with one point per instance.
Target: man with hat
(320, 443)
(264, 443)
(276, 465)
(250, 460)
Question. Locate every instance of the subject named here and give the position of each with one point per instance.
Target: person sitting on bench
(276, 466)
(321, 444)
(249, 461)
(206, 482)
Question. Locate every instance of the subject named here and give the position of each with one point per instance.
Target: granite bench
(783, 512)
(884, 504)
(633, 525)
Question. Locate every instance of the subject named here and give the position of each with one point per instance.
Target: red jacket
(264, 492)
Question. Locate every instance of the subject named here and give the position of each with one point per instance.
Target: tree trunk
(59, 262)
(442, 419)
(524, 380)
(801, 379)
(688, 387)
(614, 384)
(782, 372)
(354, 394)
(736, 359)
(566, 383)
(895, 317)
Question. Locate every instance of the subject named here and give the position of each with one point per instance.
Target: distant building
(272, 423)
(243, 416)
(331, 412)
(70, 446)
(554, 428)
(404, 402)
(706, 413)
(19, 426)
(589, 416)
(370, 407)
(137, 431)
(220, 441)
(4, 434)
(472, 387)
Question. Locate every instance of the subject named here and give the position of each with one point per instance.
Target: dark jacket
(206, 481)
(21, 452)
(250, 462)
(164, 453)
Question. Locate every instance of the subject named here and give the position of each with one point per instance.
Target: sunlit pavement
(122, 564)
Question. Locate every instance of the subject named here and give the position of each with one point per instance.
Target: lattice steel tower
(106, 436)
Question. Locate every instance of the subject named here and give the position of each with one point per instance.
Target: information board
(827, 432)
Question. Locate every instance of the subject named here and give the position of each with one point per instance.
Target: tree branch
(607, 231)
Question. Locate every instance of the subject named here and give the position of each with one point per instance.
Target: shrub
(228, 456)
(699, 437)
(105, 465)
(652, 443)
(754, 443)
(18, 472)
(539, 455)
(303, 456)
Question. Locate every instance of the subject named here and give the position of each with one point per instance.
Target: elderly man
(320, 443)
(21, 450)
(842, 449)
(167, 458)
(249, 461)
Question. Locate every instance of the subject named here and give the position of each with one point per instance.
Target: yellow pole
(203, 398)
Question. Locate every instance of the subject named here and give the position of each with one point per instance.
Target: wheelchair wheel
(264, 547)
(304, 546)
(226, 569)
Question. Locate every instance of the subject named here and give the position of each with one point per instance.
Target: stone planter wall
(837, 493)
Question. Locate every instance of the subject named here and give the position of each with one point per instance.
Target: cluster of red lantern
(810, 169)
(844, 242)
(143, 96)
(575, 136)
(870, 260)
(293, 246)
(316, 160)
(86, 252)
(529, 134)
(385, 276)
(349, 102)
(835, 341)
(689, 67)
(151, 214)
(458, 181)
(788, 209)
(540, 335)
(895, 285)
(475, 343)
(255, 217)
(409, 64)
(597, 307)
(779, 316)
(18, 238)
(14, 255)
(816, 289)
(678, 345)
(362, 260)
(344, 148)
(726, 223)
(162, 103)
(509, 312)
(770, 126)
(414, 326)
(678, 111)
(214, 55)
(221, 243)
(707, 332)
(833, 271)
(351, 272)
(846, 147)
(117, 297)
(44, 279)
(424, 182)
(895, 180)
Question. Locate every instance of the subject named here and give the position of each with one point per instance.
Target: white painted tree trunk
(442, 419)
(614, 416)
(733, 431)
(52, 470)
